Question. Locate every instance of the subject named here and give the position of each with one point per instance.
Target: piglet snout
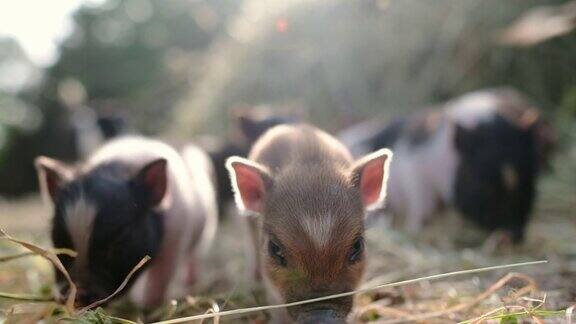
(321, 316)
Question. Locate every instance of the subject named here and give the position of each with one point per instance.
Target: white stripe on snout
(79, 217)
(318, 228)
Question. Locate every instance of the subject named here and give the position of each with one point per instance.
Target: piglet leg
(421, 204)
(160, 275)
(191, 271)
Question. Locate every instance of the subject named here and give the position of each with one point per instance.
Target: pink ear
(154, 180)
(370, 175)
(371, 181)
(249, 182)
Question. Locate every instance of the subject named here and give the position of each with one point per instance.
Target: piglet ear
(52, 175)
(152, 181)
(463, 139)
(250, 183)
(246, 124)
(370, 176)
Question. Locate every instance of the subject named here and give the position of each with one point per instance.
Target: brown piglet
(304, 200)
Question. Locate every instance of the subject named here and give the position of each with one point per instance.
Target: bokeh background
(178, 68)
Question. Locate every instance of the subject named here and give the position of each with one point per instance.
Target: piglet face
(313, 229)
(108, 218)
(313, 242)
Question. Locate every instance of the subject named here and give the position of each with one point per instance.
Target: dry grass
(538, 294)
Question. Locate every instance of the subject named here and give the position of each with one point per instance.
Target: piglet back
(135, 152)
(299, 143)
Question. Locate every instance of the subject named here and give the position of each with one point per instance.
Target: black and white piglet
(133, 197)
(481, 153)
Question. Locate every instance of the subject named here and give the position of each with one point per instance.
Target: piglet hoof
(191, 276)
(499, 242)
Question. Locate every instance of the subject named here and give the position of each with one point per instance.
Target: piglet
(481, 153)
(305, 199)
(133, 197)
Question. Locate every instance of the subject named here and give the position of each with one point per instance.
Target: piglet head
(312, 227)
(108, 216)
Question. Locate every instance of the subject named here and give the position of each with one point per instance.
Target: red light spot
(281, 25)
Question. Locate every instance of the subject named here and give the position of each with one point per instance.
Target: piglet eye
(276, 252)
(356, 250)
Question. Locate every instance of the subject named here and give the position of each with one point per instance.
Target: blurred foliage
(136, 55)
(17, 115)
(126, 57)
(356, 59)
(17, 72)
(178, 66)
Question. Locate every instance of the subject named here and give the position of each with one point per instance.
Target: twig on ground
(542, 313)
(50, 256)
(119, 289)
(464, 306)
(395, 284)
(28, 298)
(27, 254)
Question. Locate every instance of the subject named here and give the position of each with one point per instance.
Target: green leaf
(95, 317)
(509, 319)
